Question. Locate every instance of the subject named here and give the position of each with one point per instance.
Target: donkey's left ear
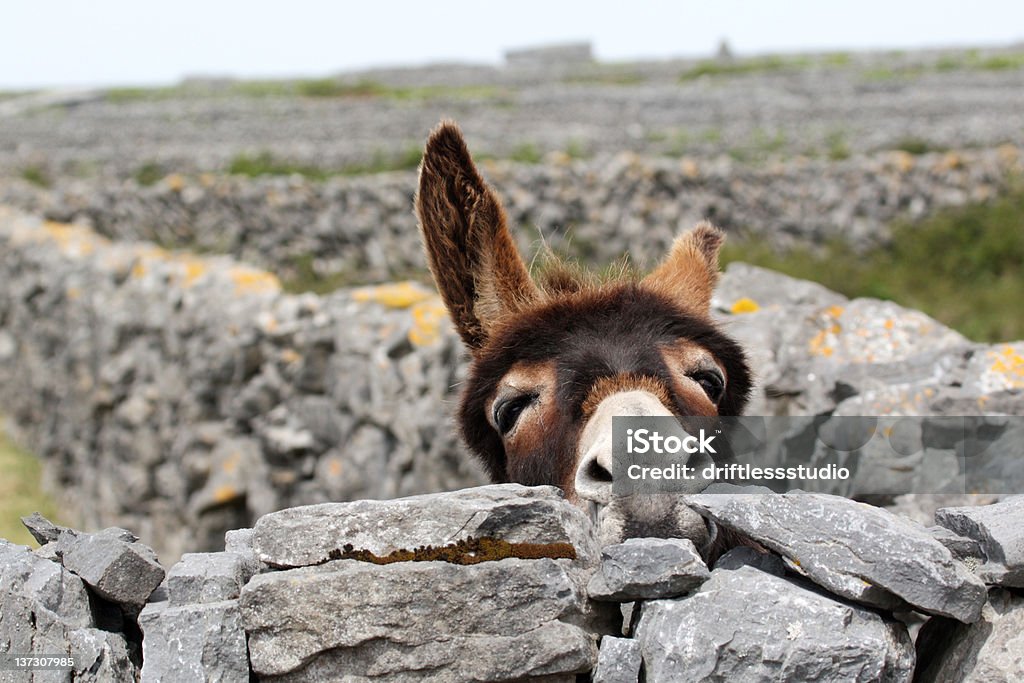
(690, 271)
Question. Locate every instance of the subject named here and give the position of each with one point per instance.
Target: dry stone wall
(597, 209)
(181, 396)
(297, 597)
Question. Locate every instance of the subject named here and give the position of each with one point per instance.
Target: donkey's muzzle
(621, 517)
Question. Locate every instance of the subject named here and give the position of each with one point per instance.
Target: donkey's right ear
(471, 253)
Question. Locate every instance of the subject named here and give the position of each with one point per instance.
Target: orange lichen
(465, 552)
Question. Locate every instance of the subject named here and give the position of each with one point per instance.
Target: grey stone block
(746, 625)
(999, 530)
(647, 568)
(308, 535)
(502, 620)
(618, 661)
(204, 642)
(855, 550)
(123, 572)
(209, 577)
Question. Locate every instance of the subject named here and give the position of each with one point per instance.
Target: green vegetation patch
(265, 163)
(37, 175)
(21, 492)
(756, 65)
(964, 267)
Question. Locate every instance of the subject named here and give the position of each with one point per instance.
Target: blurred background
(179, 388)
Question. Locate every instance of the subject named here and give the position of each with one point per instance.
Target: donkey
(554, 357)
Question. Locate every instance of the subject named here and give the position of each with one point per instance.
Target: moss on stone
(465, 552)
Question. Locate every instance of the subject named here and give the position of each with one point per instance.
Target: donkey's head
(556, 357)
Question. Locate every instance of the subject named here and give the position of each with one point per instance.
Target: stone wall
(838, 591)
(182, 396)
(598, 210)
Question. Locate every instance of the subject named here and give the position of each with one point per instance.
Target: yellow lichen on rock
(251, 281)
(427, 318)
(744, 305)
(1009, 364)
(393, 295)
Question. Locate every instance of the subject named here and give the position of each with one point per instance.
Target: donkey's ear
(471, 253)
(690, 271)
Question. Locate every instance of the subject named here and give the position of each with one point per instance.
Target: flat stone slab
(999, 530)
(647, 568)
(618, 661)
(746, 625)
(855, 550)
(308, 535)
(500, 620)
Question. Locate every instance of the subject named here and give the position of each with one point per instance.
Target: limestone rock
(200, 642)
(991, 649)
(208, 577)
(768, 628)
(999, 530)
(618, 661)
(501, 620)
(123, 572)
(647, 568)
(307, 535)
(853, 549)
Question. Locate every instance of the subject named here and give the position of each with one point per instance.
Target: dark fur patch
(592, 334)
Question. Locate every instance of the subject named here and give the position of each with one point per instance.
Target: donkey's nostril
(598, 473)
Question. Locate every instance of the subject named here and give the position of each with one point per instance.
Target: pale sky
(136, 42)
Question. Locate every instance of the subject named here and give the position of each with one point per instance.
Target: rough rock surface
(768, 628)
(997, 530)
(647, 568)
(304, 536)
(491, 621)
(855, 550)
(45, 609)
(990, 650)
(125, 573)
(208, 397)
(193, 642)
(618, 661)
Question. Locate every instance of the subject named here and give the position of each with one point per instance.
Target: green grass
(838, 148)
(37, 175)
(918, 146)
(265, 163)
(150, 173)
(20, 492)
(526, 153)
(964, 267)
(740, 67)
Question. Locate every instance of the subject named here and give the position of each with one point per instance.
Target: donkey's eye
(711, 382)
(507, 411)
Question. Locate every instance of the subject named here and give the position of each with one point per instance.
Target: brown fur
(470, 251)
(589, 335)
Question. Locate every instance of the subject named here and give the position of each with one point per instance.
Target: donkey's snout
(595, 465)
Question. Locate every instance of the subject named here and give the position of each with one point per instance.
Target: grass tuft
(964, 267)
(20, 492)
